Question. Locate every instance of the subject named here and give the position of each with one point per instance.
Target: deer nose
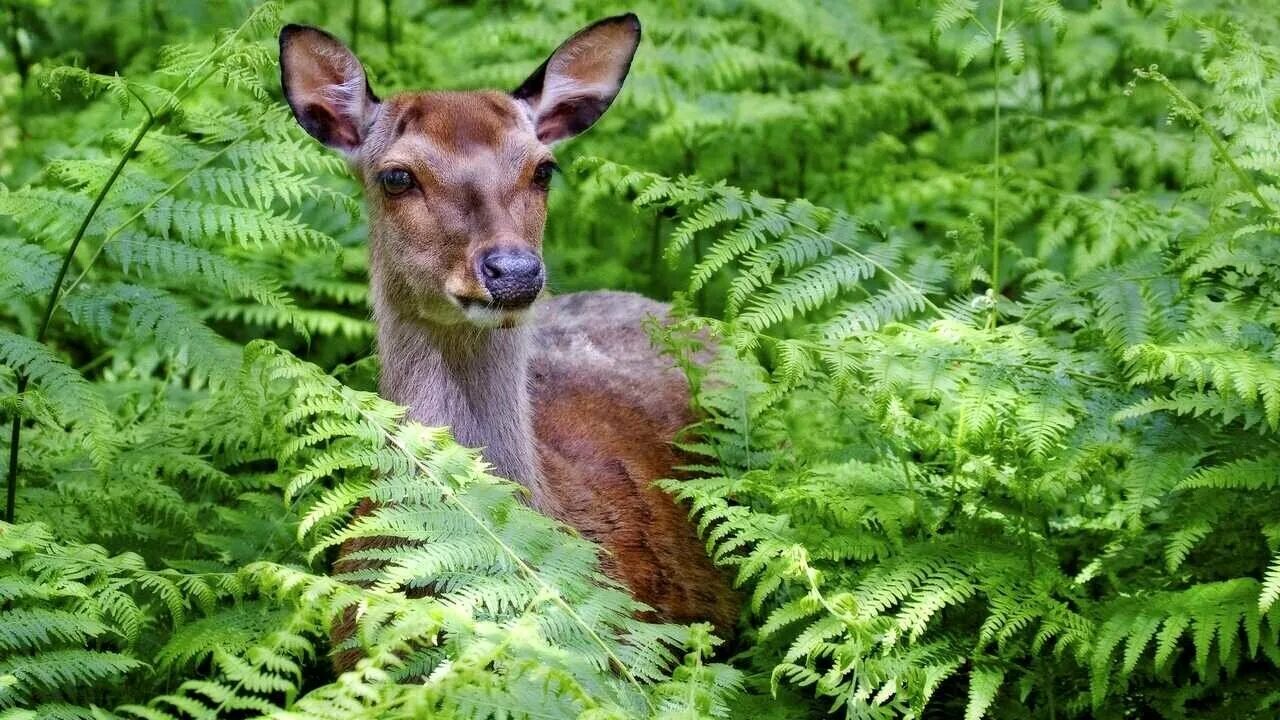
(512, 277)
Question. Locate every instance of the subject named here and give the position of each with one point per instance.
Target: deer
(564, 394)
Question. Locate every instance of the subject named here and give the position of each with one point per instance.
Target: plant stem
(15, 430)
(995, 197)
(152, 203)
(1193, 112)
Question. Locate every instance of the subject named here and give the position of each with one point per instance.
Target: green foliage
(990, 430)
(1055, 498)
(162, 441)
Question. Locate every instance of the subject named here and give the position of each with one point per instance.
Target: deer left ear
(326, 87)
(579, 81)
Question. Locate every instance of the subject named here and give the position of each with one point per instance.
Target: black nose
(512, 277)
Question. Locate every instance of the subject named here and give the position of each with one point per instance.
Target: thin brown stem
(995, 162)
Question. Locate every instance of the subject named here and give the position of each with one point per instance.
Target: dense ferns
(1063, 496)
(991, 430)
(233, 468)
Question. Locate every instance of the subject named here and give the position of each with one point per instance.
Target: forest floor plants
(991, 431)
(233, 468)
(1054, 495)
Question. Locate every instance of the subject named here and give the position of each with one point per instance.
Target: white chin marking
(488, 317)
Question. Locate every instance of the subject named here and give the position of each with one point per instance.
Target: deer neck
(474, 380)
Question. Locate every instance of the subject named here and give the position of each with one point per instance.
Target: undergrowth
(991, 429)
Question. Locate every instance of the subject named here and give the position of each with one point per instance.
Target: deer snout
(512, 277)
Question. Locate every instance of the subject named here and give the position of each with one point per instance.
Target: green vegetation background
(992, 430)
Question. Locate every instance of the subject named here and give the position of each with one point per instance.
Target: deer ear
(579, 81)
(326, 87)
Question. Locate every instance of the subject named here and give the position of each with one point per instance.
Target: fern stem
(142, 210)
(995, 161)
(178, 93)
(1193, 112)
(186, 86)
(15, 430)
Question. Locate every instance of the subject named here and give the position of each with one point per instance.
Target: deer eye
(395, 182)
(542, 174)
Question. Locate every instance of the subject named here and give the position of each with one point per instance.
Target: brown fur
(577, 406)
(606, 407)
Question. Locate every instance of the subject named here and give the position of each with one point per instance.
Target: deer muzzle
(513, 278)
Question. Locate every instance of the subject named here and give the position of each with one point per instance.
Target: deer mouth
(488, 314)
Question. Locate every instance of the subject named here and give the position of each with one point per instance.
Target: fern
(983, 340)
(964, 461)
(73, 399)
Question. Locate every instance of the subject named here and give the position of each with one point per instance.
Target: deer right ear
(326, 87)
(579, 81)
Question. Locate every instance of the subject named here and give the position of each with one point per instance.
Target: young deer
(577, 406)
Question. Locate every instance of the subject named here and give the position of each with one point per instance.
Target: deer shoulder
(607, 407)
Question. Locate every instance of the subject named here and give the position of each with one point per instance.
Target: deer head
(455, 182)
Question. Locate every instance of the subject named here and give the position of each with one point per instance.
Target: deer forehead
(461, 138)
